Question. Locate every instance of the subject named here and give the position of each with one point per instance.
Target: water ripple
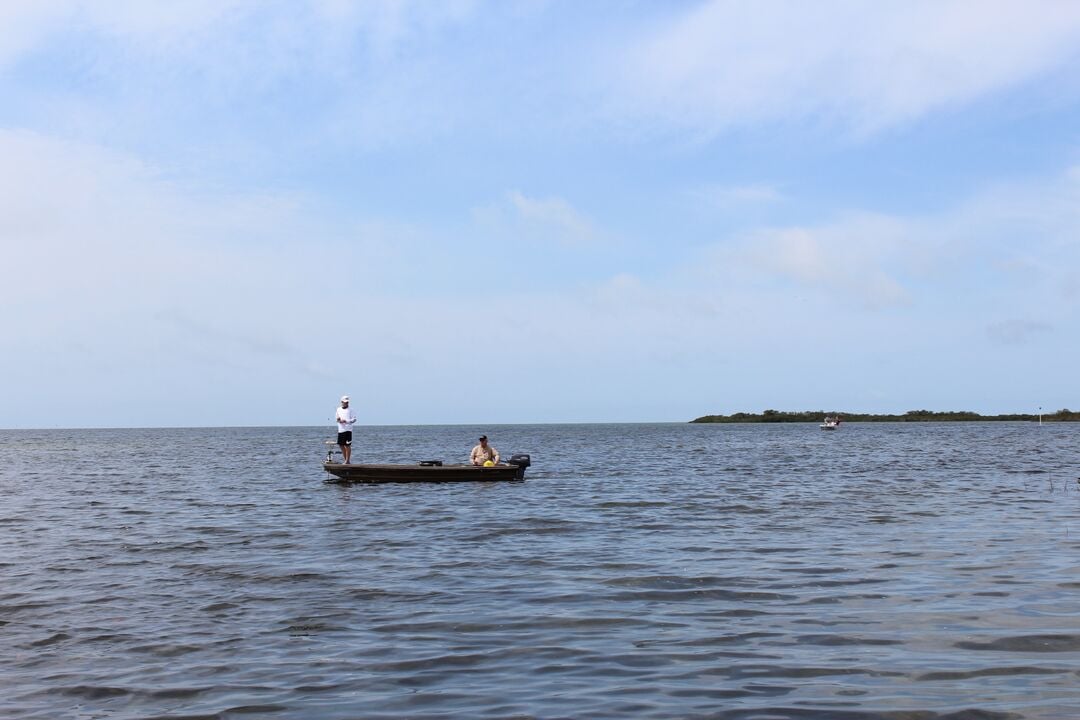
(885, 572)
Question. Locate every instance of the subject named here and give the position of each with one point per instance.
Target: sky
(232, 212)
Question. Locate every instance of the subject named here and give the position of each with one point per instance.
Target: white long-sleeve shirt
(345, 419)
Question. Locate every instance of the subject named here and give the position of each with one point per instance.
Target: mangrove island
(814, 416)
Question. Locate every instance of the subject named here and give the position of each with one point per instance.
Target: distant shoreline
(816, 416)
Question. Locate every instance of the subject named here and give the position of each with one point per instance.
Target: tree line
(782, 416)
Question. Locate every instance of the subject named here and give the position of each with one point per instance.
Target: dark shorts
(344, 438)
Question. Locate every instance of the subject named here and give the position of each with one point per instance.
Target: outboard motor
(522, 461)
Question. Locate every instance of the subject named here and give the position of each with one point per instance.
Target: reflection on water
(646, 571)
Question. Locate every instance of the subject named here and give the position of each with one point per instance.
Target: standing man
(483, 453)
(346, 418)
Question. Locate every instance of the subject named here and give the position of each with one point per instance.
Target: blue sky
(232, 212)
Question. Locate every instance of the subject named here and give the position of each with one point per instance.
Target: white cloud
(99, 249)
(864, 66)
(381, 72)
(861, 257)
(552, 216)
(117, 280)
(1010, 246)
(540, 222)
(371, 72)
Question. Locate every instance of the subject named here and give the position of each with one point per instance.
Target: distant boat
(428, 471)
(830, 423)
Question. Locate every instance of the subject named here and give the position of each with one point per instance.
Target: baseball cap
(344, 398)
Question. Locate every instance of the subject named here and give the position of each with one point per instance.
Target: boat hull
(367, 473)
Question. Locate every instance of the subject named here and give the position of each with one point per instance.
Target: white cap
(344, 398)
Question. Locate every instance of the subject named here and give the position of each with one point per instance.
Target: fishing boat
(830, 423)
(427, 471)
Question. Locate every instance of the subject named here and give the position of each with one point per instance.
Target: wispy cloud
(1018, 238)
(862, 66)
(159, 27)
(376, 73)
(269, 32)
(860, 257)
(541, 222)
(95, 238)
(552, 216)
(365, 74)
(733, 196)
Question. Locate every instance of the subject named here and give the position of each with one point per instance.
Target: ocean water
(759, 572)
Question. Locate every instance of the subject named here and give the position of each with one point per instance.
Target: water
(642, 571)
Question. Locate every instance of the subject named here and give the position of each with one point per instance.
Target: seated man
(484, 452)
